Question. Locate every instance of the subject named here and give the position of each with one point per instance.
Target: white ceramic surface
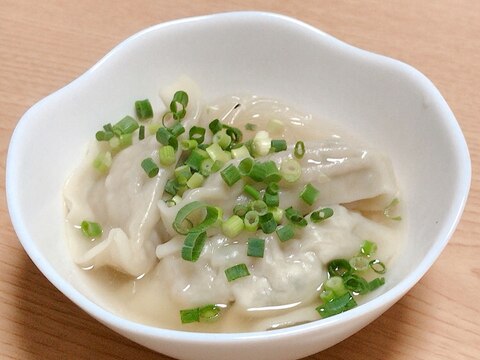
(380, 99)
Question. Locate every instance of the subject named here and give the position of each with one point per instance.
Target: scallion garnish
(233, 226)
(260, 207)
(356, 284)
(143, 108)
(240, 152)
(91, 229)
(125, 126)
(250, 127)
(320, 215)
(165, 137)
(294, 216)
(252, 192)
(150, 168)
(215, 126)
(335, 284)
(141, 132)
(236, 272)
(337, 306)
(272, 200)
(177, 129)
(389, 208)
(286, 232)
(376, 283)
(290, 170)
(377, 266)
(359, 263)
(272, 188)
(368, 248)
(309, 194)
(251, 220)
(188, 144)
(179, 98)
(261, 143)
(184, 220)
(221, 138)
(103, 161)
(267, 223)
(255, 247)
(190, 315)
(166, 155)
(197, 133)
(216, 152)
(207, 313)
(193, 245)
(195, 181)
(339, 267)
(279, 145)
(196, 158)
(206, 167)
(230, 175)
(299, 149)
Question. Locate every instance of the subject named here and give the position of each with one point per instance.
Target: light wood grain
(45, 45)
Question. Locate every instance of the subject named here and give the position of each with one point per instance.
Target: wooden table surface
(46, 44)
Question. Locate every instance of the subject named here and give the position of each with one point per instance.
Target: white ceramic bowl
(380, 99)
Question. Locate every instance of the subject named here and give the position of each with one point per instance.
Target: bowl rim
(389, 297)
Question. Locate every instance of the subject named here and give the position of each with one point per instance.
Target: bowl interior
(382, 101)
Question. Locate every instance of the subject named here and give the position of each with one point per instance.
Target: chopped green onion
(172, 186)
(165, 137)
(184, 221)
(368, 248)
(267, 223)
(217, 165)
(177, 129)
(250, 127)
(337, 306)
(327, 295)
(183, 171)
(261, 143)
(180, 97)
(389, 208)
(222, 139)
(232, 226)
(103, 162)
(277, 214)
(255, 247)
(234, 133)
(104, 135)
(188, 144)
(295, 217)
(339, 267)
(272, 188)
(279, 145)
(195, 181)
(272, 174)
(377, 266)
(193, 245)
(252, 192)
(91, 229)
(120, 142)
(125, 126)
(174, 201)
(153, 127)
(166, 155)
(236, 272)
(190, 315)
(245, 166)
(230, 175)
(197, 133)
(290, 170)
(215, 126)
(141, 132)
(320, 215)
(251, 220)
(275, 126)
(335, 284)
(209, 313)
(258, 171)
(143, 109)
(150, 168)
(240, 209)
(216, 152)
(286, 232)
(240, 152)
(260, 207)
(309, 194)
(206, 167)
(359, 263)
(196, 158)
(356, 284)
(272, 200)
(299, 149)
(376, 283)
